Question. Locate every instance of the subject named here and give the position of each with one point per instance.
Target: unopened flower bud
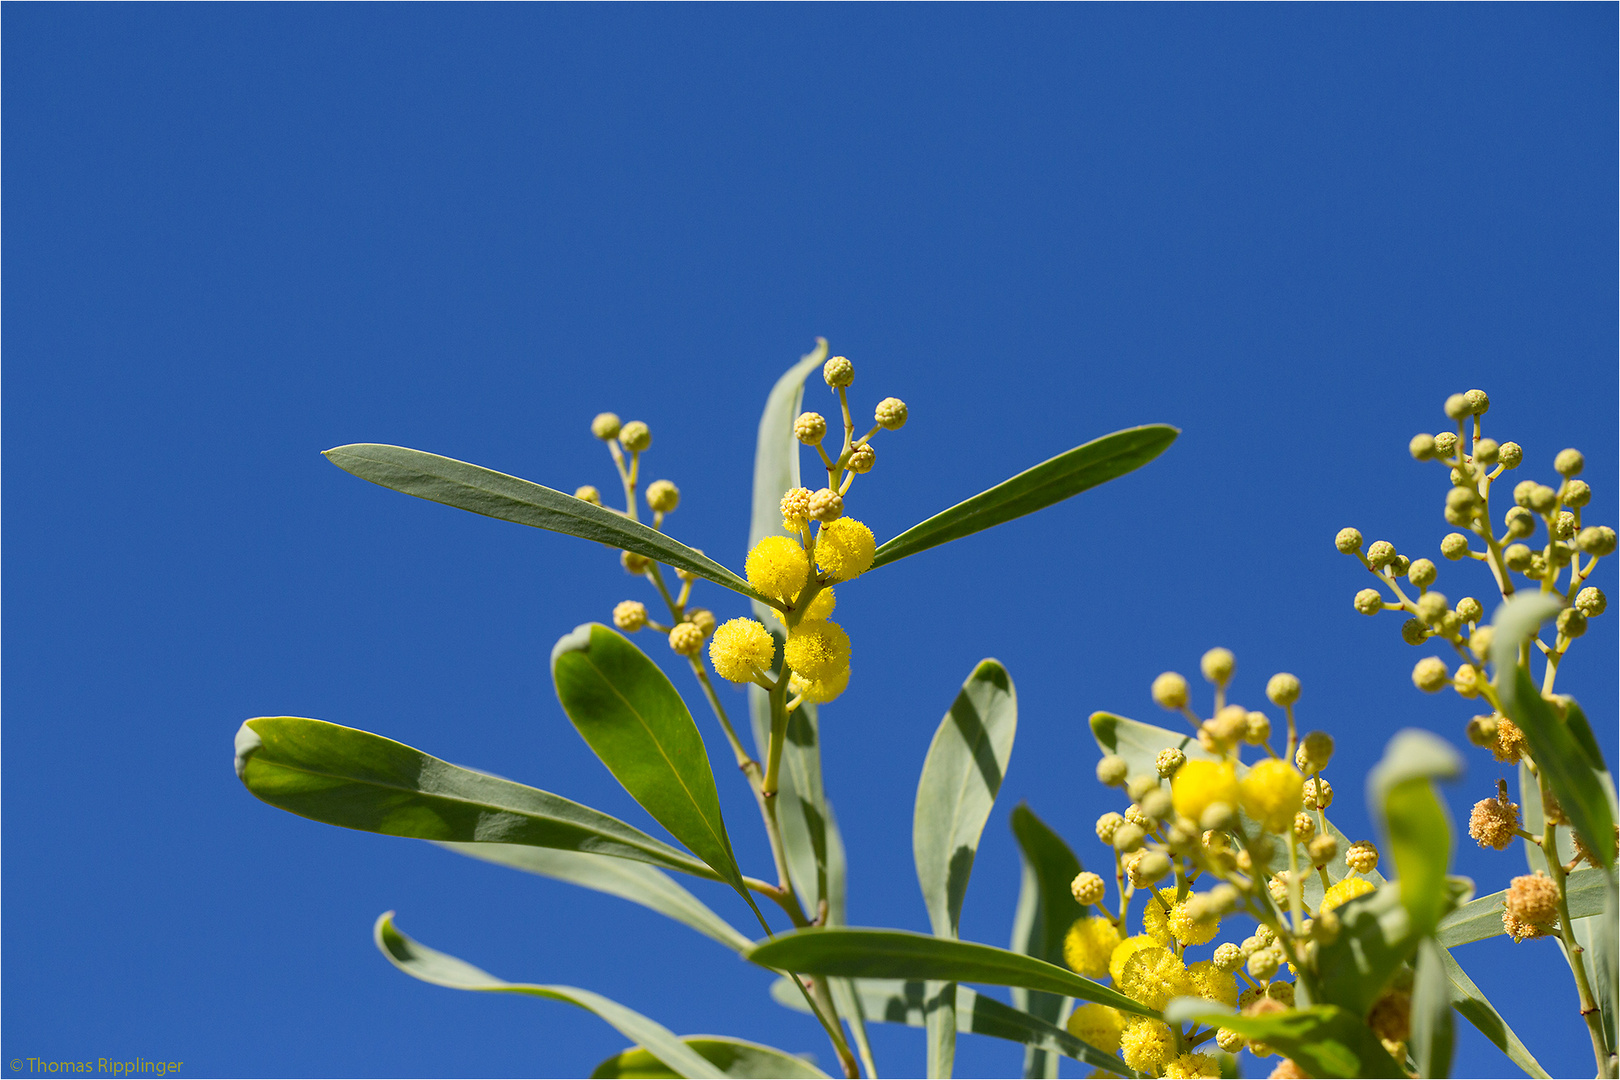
(1511, 455)
(1482, 731)
(1146, 867)
(1421, 447)
(1486, 451)
(1414, 632)
(1362, 857)
(1423, 572)
(1128, 837)
(1263, 963)
(1537, 568)
(1156, 804)
(1461, 500)
(633, 563)
(1517, 557)
(1543, 499)
(1140, 785)
(703, 619)
(663, 496)
(1088, 888)
(1283, 688)
(826, 505)
(1112, 770)
(1445, 444)
(1522, 490)
(1277, 886)
(1457, 407)
(1228, 957)
(1591, 602)
(1348, 541)
(630, 616)
(1432, 605)
(795, 504)
(1430, 674)
(1577, 493)
(1228, 726)
(1399, 565)
(636, 436)
(838, 372)
(1217, 817)
(1369, 601)
(1569, 462)
(1224, 899)
(1217, 665)
(1470, 610)
(1170, 690)
(588, 493)
(862, 458)
(605, 426)
(1304, 827)
(1562, 526)
(810, 428)
(1571, 623)
(1314, 753)
(1322, 849)
(1520, 522)
(1168, 760)
(891, 413)
(1467, 680)
(686, 639)
(1107, 825)
(1318, 793)
(1479, 403)
(1259, 729)
(1479, 642)
(1596, 540)
(1381, 554)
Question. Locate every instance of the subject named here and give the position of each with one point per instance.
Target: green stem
(1572, 949)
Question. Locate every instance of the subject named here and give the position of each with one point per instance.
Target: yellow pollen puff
(1213, 984)
(845, 548)
(1098, 1025)
(1345, 891)
(1156, 920)
(1154, 976)
(822, 606)
(817, 649)
(1272, 794)
(1199, 783)
(819, 691)
(1146, 1045)
(777, 567)
(1191, 931)
(1190, 1065)
(1088, 945)
(1124, 951)
(740, 648)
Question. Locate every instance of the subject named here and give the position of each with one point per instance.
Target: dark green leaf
(632, 717)
(441, 969)
(1482, 918)
(497, 495)
(1432, 1034)
(633, 881)
(733, 1057)
(1324, 1040)
(1051, 481)
(1400, 791)
(358, 780)
(900, 954)
(1046, 909)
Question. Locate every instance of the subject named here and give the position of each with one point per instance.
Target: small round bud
(1107, 825)
(1466, 681)
(1478, 403)
(635, 436)
(1156, 804)
(1596, 540)
(1571, 623)
(1128, 837)
(1137, 816)
(1259, 729)
(1458, 478)
(862, 458)
(605, 426)
(810, 428)
(1282, 689)
(1322, 849)
(1170, 759)
(1170, 690)
(1182, 837)
(1461, 499)
(1520, 522)
(1228, 727)
(1482, 731)
(1543, 499)
(1562, 526)
(686, 639)
(1224, 899)
(1448, 625)
(1304, 827)
(630, 615)
(1454, 546)
(1217, 666)
(1414, 632)
(1318, 793)
(1517, 557)
(1140, 785)
(1591, 602)
(1229, 1040)
(826, 505)
(703, 619)
(1263, 964)
(1569, 462)
(1522, 490)
(1445, 444)
(1371, 601)
(1277, 886)
(1381, 554)
(795, 504)
(1486, 451)
(1326, 926)
(1421, 447)
(891, 413)
(838, 372)
(1423, 572)
(588, 493)
(1470, 610)
(633, 563)
(1400, 565)
(1511, 455)
(1537, 568)
(1088, 888)
(1348, 541)
(1148, 867)
(1577, 493)
(1430, 674)
(1457, 407)
(1362, 857)
(663, 496)
(1112, 770)
(1217, 816)
(1431, 605)
(1314, 753)
(1228, 957)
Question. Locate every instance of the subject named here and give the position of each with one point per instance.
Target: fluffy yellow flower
(817, 649)
(1272, 793)
(1088, 945)
(1154, 976)
(1198, 784)
(845, 548)
(1213, 984)
(1123, 952)
(1147, 1044)
(740, 648)
(1098, 1025)
(822, 606)
(1345, 891)
(1192, 1065)
(819, 691)
(1156, 920)
(1178, 923)
(777, 567)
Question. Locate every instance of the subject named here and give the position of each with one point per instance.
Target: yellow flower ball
(740, 648)
(1272, 794)
(1098, 1025)
(1147, 1044)
(1154, 976)
(1088, 945)
(817, 649)
(822, 606)
(1156, 920)
(1191, 931)
(1124, 951)
(1190, 1065)
(1213, 984)
(819, 691)
(845, 548)
(777, 567)
(1345, 891)
(1197, 784)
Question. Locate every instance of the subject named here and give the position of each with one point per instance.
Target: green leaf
(632, 881)
(896, 1001)
(776, 453)
(733, 1057)
(441, 969)
(630, 714)
(1046, 909)
(1324, 1040)
(1400, 791)
(343, 776)
(901, 954)
(1482, 918)
(1378, 935)
(1467, 999)
(1566, 759)
(1432, 1033)
(1053, 480)
(497, 495)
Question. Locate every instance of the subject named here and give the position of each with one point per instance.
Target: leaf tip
(576, 640)
(990, 670)
(247, 742)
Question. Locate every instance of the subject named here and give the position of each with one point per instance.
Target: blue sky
(239, 235)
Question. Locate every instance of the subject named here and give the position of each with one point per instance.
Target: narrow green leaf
(1324, 1040)
(776, 453)
(843, 990)
(1400, 791)
(733, 1057)
(1378, 935)
(901, 954)
(630, 714)
(1053, 480)
(1482, 918)
(344, 776)
(632, 881)
(939, 1020)
(1432, 1030)
(895, 1001)
(1573, 774)
(420, 962)
(508, 498)
(1467, 999)
(1046, 909)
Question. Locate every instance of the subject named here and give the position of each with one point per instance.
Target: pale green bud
(1457, 407)
(1168, 760)
(636, 436)
(1112, 770)
(1156, 804)
(1128, 837)
(1470, 610)
(633, 563)
(1108, 825)
(605, 426)
(1228, 957)
(838, 372)
(1371, 601)
(1318, 793)
(1560, 553)
(1381, 554)
(1543, 499)
(810, 428)
(1430, 674)
(588, 493)
(663, 496)
(1423, 572)
(1454, 546)
(1431, 605)
(1577, 493)
(1224, 899)
(1263, 964)
(1486, 451)
(1140, 785)
(1571, 623)
(1088, 888)
(1258, 729)
(1304, 827)
(1596, 540)
(1348, 541)
(1537, 568)
(1478, 403)
(1421, 447)
(862, 458)
(1445, 444)
(1448, 624)
(1282, 689)
(1466, 681)
(1482, 731)
(1414, 632)
(891, 413)
(1461, 499)
(1170, 690)
(1325, 927)
(1149, 867)
(1228, 1040)
(1217, 816)
(1479, 642)
(1400, 565)
(1511, 455)
(1314, 753)
(1217, 665)
(1569, 462)
(826, 505)
(686, 639)
(1591, 602)
(630, 616)
(1517, 557)
(1322, 849)
(1520, 522)
(1522, 490)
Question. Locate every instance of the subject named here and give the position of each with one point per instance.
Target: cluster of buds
(822, 546)
(1206, 837)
